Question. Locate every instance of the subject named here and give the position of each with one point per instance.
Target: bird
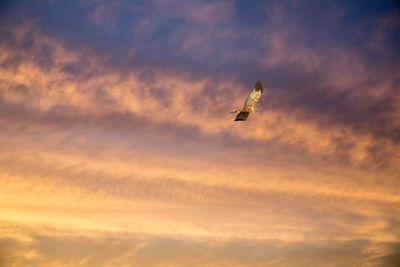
(251, 100)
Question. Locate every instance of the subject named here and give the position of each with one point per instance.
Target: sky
(118, 148)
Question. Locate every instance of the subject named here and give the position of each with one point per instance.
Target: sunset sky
(118, 148)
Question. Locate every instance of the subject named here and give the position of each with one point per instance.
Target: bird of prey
(251, 100)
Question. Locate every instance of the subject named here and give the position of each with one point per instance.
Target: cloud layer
(117, 145)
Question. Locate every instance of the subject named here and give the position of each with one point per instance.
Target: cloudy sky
(117, 147)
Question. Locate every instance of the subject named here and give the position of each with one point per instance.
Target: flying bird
(251, 100)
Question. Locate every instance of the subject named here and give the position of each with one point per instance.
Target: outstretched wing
(242, 116)
(254, 96)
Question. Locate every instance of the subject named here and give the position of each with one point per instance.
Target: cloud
(70, 249)
(116, 134)
(79, 89)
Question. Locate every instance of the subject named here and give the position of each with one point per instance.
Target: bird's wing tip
(258, 86)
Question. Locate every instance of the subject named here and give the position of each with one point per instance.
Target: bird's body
(251, 100)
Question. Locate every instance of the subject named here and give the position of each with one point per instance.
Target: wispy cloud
(91, 249)
(116, 137)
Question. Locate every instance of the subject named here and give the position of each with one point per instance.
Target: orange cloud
(90, 149)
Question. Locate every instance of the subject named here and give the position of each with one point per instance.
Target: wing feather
(254, 96)
(252, 99)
